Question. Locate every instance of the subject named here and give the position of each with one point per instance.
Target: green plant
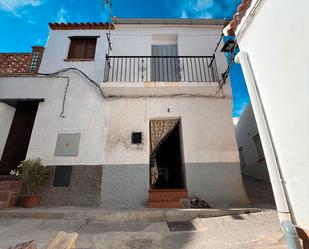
(33, 175)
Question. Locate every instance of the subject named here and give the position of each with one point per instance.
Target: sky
(24, 23)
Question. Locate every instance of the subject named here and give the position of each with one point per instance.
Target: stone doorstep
(122, 215)
(166, 198)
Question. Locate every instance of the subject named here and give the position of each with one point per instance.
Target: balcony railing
(161, 69)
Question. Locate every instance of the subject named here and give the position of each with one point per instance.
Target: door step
(9, 191)
(166, 198)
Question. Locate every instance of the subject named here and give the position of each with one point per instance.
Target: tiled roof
(21, 63)
(241, 12)
(87, 25)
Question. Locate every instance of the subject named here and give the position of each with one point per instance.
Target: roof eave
(169, 21)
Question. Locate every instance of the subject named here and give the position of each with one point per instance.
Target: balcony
(160, 75)
(161, 69)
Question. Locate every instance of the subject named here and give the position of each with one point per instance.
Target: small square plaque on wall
(67, 144)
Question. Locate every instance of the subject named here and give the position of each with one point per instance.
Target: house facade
(274, 58)
(144, 120)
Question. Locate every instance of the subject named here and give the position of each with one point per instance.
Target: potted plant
(33, 175)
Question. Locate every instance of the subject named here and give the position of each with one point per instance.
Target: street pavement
(246, 231)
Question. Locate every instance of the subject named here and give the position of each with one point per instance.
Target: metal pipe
(266, 138)
(290, 235)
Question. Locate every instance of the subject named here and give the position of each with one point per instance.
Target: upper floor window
(82, 48)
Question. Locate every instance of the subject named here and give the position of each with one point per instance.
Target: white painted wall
(245, 131)
(192, 40)
(57, 49)
(7, 114)
(84, 113)
(277, 44)
(208, 134)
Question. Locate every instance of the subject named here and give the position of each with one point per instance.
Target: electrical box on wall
(67, 144)
(136, 138)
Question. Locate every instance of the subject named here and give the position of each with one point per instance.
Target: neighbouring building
(272, 38)
(142, 121)
(251, 154)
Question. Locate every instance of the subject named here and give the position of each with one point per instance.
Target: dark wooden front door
(16, 146)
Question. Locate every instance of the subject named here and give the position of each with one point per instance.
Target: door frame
(181, 146)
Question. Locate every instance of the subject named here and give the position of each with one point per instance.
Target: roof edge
(230, 29)
(88, 25)
(170, 21)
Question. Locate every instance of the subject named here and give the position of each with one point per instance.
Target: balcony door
(165, 68)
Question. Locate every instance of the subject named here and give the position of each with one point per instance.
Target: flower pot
(31, 201)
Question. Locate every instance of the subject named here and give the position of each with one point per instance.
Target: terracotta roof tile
(88, 25)
(241, 11)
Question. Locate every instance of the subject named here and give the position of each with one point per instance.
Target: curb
(121, 215)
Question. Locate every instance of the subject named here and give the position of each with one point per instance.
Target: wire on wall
(56, 74)
(109, 4)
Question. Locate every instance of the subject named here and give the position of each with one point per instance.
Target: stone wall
(84, 188)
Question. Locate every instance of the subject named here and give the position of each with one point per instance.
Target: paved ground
(236, 231)
(259, 192)
(246, 231)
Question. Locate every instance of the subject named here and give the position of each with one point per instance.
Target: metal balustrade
(161, 69)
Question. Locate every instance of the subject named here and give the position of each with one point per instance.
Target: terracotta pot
(31, 201)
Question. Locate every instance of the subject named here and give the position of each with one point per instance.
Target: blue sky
(24, 22)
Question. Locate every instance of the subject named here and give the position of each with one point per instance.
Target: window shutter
(76, 49)
(90, 46)
(82, 48)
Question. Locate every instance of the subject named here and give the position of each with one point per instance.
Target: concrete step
(155, 195)
(9, 188)
(165, 204)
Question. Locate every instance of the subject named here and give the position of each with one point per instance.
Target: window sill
(81, 59)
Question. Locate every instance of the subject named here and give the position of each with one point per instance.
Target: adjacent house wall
(246, 130)
(277, 44)
(83, 114)
(7, 114)
(57, 50)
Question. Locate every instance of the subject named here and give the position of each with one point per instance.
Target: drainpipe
(266, 138)
(291, 235)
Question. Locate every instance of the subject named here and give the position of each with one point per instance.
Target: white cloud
(205, 8)
(62, 15)
(13, 5)
(184, 14)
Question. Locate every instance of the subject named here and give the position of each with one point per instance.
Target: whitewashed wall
(84, 113)
(7, 114)
(207, 128)
(192, 40)
(57, 49)
(245, 131)
(277, 44)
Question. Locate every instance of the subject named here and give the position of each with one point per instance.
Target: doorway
(167, 155)
(16, 145)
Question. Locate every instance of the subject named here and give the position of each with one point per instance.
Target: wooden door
(16, 146)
